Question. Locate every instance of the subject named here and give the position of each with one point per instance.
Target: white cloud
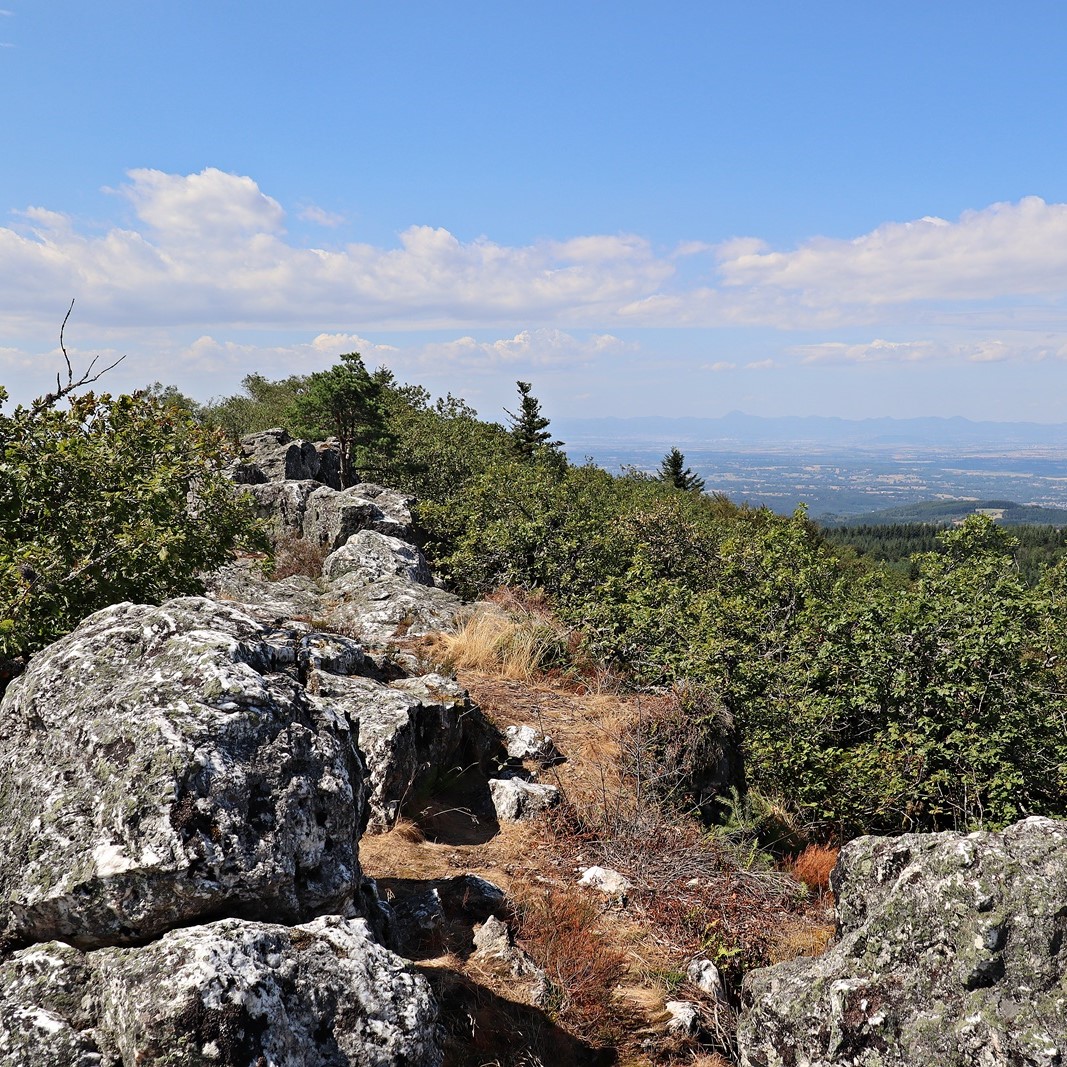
(211, 205)
(210, 251)
(535, 348)
(321, 216)
(719, 366)
(1005, 250)
(760, 364)
(1019, 349)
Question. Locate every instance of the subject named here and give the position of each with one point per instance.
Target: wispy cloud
(320, 216)
(987, 350)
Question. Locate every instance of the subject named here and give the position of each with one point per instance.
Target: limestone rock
(228, 994)
(609, 882)
(273, 456)
(515, 799)
(529, 743)
(384, 611)
(47, 1014)
(683, 1018)
(494, 945)
(369, 556)
(706, 977)
(283, 505)
(163, 765)
(952, 950)
(332, 517)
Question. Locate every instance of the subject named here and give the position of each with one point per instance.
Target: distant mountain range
(740, 430)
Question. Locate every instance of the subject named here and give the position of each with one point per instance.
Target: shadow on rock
(483, 1027)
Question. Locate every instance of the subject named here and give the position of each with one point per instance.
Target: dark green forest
(1037, 547)
(904, 678)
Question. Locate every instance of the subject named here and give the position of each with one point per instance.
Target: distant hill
(947, 512)
(737, 428)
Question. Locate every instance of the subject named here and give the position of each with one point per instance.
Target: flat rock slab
(952, 951)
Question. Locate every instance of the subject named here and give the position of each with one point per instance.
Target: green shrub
(104, 500)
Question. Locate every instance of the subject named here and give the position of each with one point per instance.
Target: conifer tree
(529, 428)
(674, 472)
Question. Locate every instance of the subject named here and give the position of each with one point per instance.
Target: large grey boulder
(332, 517)
(369, 556)
(228, 994)
(384, 611)
(273, 456)
(951, 951)
(283, 505)
(164, 765)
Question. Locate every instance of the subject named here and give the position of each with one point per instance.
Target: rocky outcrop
(375, 586)
(375, 583)
(952, 950)
(327, 516)
(162, 768)
(416, 734)
(273, 456)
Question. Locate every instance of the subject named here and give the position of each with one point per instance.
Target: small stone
(515, 799)
(609, 882)
(529, 743)
(684, 1018)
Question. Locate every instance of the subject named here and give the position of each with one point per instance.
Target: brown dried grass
(562, 931)
(795, 938)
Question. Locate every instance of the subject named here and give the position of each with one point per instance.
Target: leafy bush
(108, 499)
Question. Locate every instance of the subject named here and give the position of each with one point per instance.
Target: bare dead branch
(50, 399)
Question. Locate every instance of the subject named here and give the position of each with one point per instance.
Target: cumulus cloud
(211, 248)
(719, 366)
(1004, 250)
(211, 204)
(210, 251)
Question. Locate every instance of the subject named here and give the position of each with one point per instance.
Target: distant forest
(895, 544)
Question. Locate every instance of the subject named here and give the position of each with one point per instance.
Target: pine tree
(674, 472)
(529, 429)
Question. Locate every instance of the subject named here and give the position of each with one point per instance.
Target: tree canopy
(673, 471)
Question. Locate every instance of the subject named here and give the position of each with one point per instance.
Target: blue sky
(821, 208)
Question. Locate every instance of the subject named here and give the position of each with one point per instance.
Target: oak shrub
(106, 499)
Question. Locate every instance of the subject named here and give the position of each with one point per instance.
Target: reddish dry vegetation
(297, 555)
(611, 964)
(812, 867)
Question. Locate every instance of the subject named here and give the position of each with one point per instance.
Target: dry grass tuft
(813, 866)
(505, 637)
(406, 830)
(297, 555)
(795, 938)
